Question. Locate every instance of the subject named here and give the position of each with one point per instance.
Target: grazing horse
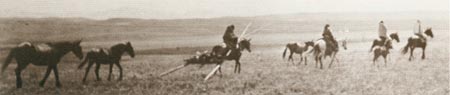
(105, 56)
(321, 50)
(235, 54)
(47, 54)
(378, 42)
(298, 48)
(382, 51)
(419, 42)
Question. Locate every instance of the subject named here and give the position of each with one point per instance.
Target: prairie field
(163, 44)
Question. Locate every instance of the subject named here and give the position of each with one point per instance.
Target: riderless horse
(417, 41)
(46, 54)
(298, 48)
(109, 57)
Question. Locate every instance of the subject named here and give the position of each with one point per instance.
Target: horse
(378, 42)
(234, 54)
(417, 42)
(298, 48)
(321, 50)
(382, 51)
(109, 57)
(45, 54)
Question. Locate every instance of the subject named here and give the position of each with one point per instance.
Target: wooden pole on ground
(172, 70)
(212, 72)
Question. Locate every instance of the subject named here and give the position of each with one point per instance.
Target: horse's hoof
(58, 85)
(41, 84)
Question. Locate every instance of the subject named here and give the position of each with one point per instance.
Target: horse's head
(344, 44)
(129, 49)
(395, 37)
(309, 43)
(75, 47)
(429, 32)
(244, 44)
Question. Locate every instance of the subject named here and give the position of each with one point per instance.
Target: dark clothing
(229, 38)
(329, 39)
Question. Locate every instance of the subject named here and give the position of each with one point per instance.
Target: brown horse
(382, 51)
(45, 54)
(418, 41)
(235, 54)
(378, 42)
(298, 48)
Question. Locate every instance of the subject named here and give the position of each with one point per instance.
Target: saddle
(44, 48)
(419, 36)
(102, 50)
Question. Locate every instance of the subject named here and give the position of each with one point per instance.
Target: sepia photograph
(225, 47)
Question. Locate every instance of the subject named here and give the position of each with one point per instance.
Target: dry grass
(162, 45)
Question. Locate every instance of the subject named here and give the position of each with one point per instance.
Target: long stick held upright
(245, 30)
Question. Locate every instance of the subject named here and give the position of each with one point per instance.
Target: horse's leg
(291, 58)
(332, 60)
(97, 69)
(375, 57)
(87, 70)
(55, 71)
(423, 53)
(411, 53)
(20, 67)
(49, 70)
(306, 60)
(110, 71)
(301, 59)
(385, 59)
(237, 68)
(120, 69)
(320, 59)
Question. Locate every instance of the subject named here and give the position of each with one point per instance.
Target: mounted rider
(329, 38)
(418, 32)
(382, 32)
(230, 39)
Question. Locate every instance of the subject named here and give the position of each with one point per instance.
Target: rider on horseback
(230, 39)
(418, 30)
(382, 32)
(329, 39)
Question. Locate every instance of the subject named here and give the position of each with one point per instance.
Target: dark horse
(48, 54)
(105, 56)
(420, 42)
(298, 48)
(235, 54)
(378, 42)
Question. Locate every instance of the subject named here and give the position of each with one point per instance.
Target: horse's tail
(8, 60)
(284, 53)
(316, 49)
(406, 48)
(86, 59)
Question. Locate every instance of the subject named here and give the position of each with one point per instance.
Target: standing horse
(382, 51)
(298, 48)
(48, 54)
(378, 42)
(419, 42)
(322, 51)
(235, 54)
(104, 56)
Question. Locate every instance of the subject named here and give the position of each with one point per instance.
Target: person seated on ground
(329, 38)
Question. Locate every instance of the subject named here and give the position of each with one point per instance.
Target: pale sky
(172, 9)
